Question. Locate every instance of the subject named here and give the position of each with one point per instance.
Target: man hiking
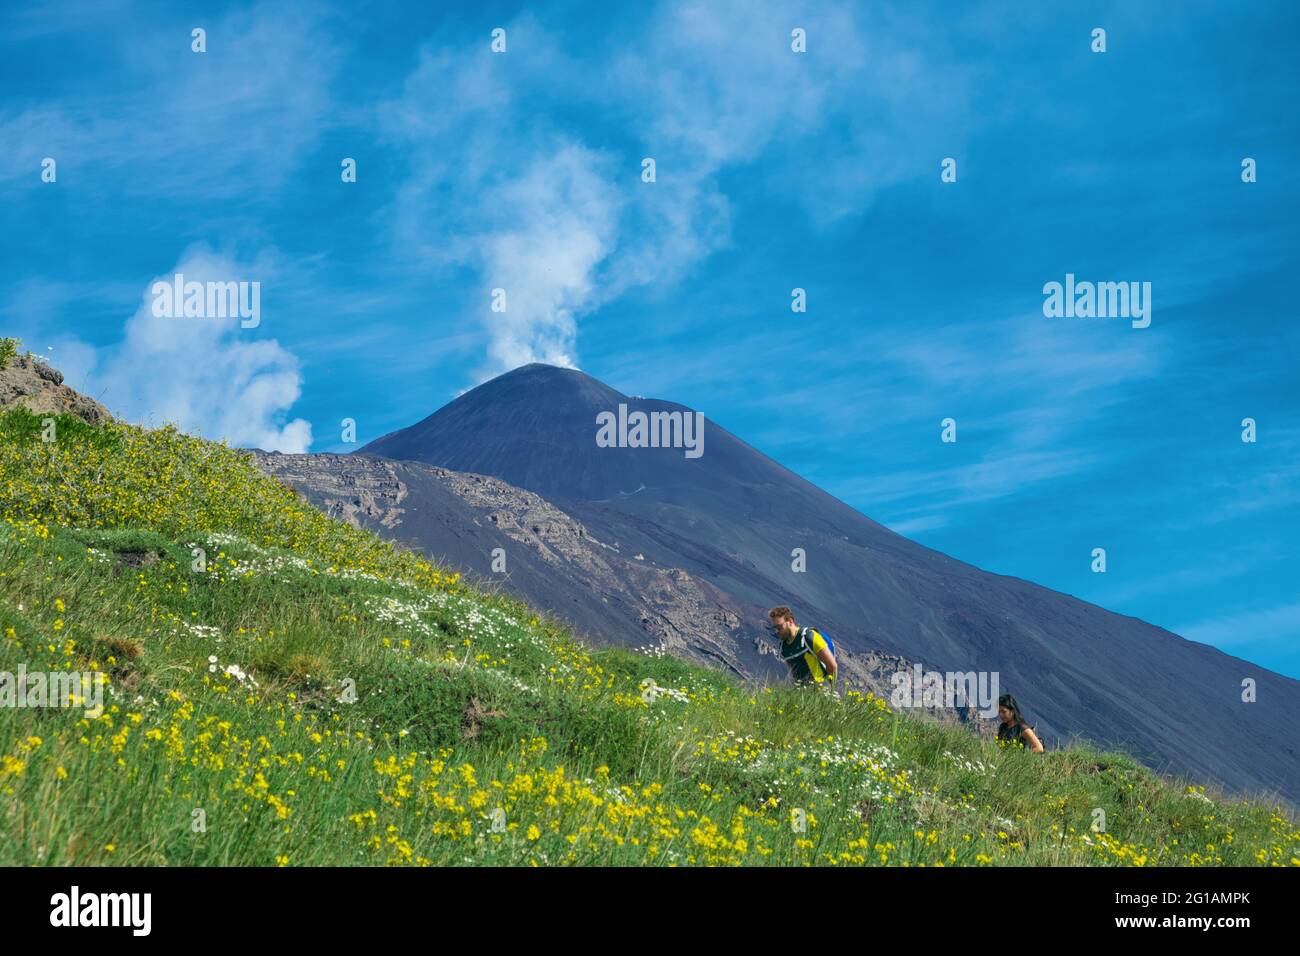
(808, 654)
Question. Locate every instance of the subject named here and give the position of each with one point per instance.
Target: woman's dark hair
(1017, 716)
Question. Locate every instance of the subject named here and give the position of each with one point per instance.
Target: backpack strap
(803, 647)
(807, 646)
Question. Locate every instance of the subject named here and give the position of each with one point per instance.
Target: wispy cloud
(183, 124)
(205, 375)
(1269, 625)
(913, 526)
(1212, 569)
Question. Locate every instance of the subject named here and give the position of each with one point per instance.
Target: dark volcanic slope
(732, 517)
(551, 560)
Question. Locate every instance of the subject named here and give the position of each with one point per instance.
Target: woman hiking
(1014, 731)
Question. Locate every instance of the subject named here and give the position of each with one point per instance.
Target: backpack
(805, 637)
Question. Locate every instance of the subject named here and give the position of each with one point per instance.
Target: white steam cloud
(208, 376)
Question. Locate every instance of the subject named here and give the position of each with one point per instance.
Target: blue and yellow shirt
(801, 656)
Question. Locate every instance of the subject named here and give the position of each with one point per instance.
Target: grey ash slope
(552, 560)
(731, 517)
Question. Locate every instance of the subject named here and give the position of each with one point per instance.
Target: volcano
(730, 520)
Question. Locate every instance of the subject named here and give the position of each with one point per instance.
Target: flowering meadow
(285, 690)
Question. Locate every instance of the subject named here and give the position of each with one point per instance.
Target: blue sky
(775, 170)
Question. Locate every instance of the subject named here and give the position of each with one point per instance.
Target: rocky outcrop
(360, 491)
(29, 381)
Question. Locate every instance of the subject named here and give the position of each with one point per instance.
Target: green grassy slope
(477, 733)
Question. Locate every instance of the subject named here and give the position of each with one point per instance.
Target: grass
(8, 351)
(286, 690)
